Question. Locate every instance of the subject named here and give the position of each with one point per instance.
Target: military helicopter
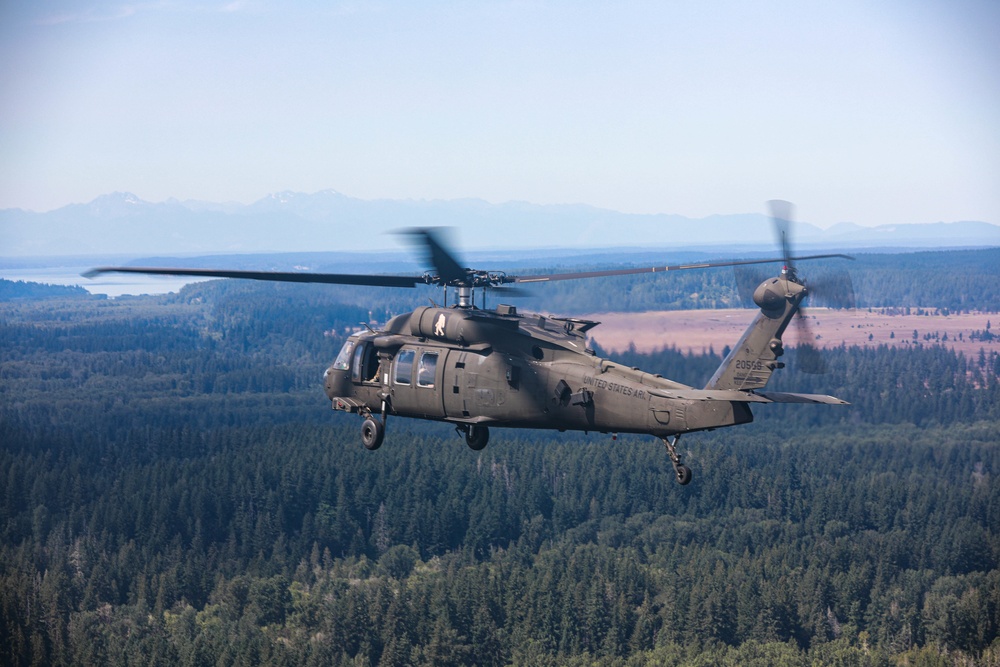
(478, 368)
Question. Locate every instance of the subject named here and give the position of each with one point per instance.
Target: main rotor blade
(448, 269)
(657, 269)
(277, 276)
(511, 292)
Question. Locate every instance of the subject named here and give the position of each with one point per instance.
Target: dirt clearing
(700, 330)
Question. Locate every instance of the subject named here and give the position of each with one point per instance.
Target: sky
(868, 112)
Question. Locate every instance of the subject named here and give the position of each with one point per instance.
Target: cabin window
(344, 358)
(428, 368)
(513, 376)
(404, 367)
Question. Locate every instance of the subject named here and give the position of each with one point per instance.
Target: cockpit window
(359, 357)
(343, 361)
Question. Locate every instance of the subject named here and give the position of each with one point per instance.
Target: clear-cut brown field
(700, 330)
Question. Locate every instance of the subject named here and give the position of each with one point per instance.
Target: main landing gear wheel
(476, 437)
(682, 471)
(683, 474)
(372, 432)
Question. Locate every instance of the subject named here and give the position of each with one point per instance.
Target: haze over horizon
(864, 114)
(119, 196)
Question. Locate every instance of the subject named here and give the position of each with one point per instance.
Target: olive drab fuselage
(500, 368)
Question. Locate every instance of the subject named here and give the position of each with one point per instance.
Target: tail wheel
(477, 437)
(372, 432)
(682, 472)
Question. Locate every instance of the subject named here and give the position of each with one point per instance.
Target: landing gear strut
(682, 471)
(476, 436)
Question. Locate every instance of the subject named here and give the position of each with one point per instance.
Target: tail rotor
(832, 288)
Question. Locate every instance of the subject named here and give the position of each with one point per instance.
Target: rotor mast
(465, 296)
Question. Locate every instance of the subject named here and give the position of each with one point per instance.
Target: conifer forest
(175, 490)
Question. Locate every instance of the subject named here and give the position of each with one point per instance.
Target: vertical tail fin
(750, 363)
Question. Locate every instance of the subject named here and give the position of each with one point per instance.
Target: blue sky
(869, 112)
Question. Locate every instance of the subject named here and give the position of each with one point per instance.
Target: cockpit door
(365, 364)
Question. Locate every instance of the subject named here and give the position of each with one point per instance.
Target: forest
(176, 490)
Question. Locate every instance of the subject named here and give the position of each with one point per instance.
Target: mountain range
(121, 223)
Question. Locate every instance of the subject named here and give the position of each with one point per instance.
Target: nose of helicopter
(335, 382)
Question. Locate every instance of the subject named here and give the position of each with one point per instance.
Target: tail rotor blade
(810, 360)
(833, 289)
(748, 278)
(782, 215)
(807, 355)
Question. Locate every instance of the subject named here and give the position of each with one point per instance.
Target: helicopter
(480, 369)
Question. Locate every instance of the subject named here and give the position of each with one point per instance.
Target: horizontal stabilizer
(783, 397)
(693, 394)
(745, 396)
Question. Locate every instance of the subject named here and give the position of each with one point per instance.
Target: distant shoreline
(112, 285)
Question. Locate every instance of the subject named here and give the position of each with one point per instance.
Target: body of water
(111, 284)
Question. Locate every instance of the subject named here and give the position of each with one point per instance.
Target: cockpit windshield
(343, 361)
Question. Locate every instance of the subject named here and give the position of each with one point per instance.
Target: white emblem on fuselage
(439, 325)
